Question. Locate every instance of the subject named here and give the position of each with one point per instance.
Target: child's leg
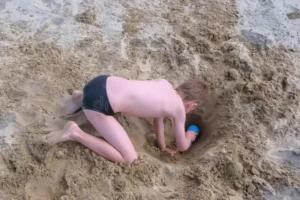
(74, 103)
(119, 149)
(115, 135)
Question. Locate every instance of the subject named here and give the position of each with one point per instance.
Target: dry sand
(249, 148)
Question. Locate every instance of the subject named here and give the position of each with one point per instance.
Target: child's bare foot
(67, 134)
(74, 103)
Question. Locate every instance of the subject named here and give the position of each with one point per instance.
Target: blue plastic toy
(195, 129)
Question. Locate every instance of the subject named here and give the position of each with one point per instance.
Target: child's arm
(182, 141)
(159, 132)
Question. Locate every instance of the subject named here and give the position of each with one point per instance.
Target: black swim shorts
(95, 96)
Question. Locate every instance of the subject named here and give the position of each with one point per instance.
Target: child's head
(193, 93)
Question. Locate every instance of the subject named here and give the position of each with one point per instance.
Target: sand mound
(249, 147)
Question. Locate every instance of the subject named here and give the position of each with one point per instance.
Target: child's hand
(191, 135)
(192, 132)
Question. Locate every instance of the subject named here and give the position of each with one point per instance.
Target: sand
(249, 147)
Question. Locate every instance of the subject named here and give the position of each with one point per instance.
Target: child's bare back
(104, 96)
(154, 98)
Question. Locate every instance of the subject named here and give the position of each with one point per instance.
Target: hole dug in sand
(205, 119)
(204, 141)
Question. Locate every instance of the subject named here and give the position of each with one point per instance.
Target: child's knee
(130, 158)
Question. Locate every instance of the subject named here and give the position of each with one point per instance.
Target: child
(106, 95)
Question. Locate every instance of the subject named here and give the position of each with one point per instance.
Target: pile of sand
(249, 148)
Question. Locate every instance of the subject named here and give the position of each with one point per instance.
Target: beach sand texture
(246, 51)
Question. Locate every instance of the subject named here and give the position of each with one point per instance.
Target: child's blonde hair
(194, 90)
